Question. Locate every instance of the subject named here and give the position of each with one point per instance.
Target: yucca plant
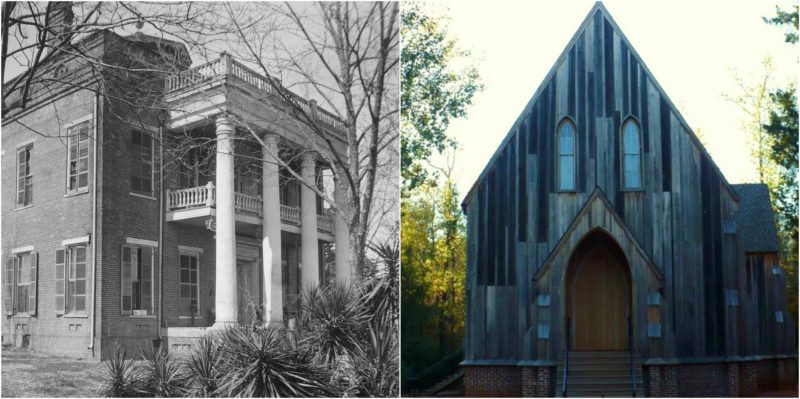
(377, 369)
(121, 378)
(163, 376)
(203, 366)
(332, 321)
(260, 363)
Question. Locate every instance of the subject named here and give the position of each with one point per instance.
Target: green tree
(782, 129)
(438, 83)
(433, 275)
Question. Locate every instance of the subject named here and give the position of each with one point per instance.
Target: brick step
(600, 375)
(603, 394)
(601, 382)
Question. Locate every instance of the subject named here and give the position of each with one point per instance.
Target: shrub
(203, 364)
(121, 378)
(163, 376)
(333, 321)
(377, 371)
(259, 362)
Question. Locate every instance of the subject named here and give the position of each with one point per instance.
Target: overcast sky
(691, 47)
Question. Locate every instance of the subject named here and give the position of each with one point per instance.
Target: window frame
(190, 170)
(28, 201)
(30, 285)
(151, 311)
(68, 267)
(71, 134)
(567, 120)
(196, 283)
(624, 186)
(143, 133)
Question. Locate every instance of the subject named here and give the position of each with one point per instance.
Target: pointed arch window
(566, 155)
(632, 155)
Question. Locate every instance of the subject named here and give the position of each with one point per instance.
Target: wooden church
(607, 253)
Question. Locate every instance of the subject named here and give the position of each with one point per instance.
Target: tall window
(137, 280)
(78, 158)
(566, 155)
(189, 281)
(21, 281)
(24, 176)
(70, 292)
(631, 160)
(188, 170)
(141, 169)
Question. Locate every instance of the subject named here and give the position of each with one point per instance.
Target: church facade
(608, 255)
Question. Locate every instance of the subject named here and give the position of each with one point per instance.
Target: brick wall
(53, 217)
(492, 381)
(538, 382)
(720, 379)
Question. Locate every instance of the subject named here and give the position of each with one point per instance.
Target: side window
(189, 283)
(566, 155)
(137, 280)
(70, 278)
(141, 168)
(78, 158)
(22, 283)
(631, 159)
(24, 176)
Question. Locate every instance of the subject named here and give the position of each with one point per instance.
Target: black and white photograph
(200, 199)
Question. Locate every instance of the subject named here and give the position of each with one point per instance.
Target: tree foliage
(433, 276)
(781, 128)
(438, 83)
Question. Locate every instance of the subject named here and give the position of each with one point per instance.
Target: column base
(221, 325)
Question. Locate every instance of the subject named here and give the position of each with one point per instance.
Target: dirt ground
(30, 374)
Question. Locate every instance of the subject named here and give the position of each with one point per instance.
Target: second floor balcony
(195, 204)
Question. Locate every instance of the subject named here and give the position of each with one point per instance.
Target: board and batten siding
(517, 217)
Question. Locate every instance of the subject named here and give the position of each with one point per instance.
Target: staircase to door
(600, 374)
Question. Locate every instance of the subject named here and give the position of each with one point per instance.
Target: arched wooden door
(598, 296)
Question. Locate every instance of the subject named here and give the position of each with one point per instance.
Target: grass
(31, 374)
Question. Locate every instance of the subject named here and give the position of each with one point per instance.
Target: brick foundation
(492, 381)
(744, 378)
(538, 382)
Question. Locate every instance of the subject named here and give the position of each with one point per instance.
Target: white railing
(290, 214)
(226, 65)
(191, 197)
(247, 203)
(198, 197)
(325, 222)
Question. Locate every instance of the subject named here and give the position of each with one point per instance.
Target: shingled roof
(755, 220)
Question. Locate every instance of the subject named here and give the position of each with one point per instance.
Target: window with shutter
(33, 283)
(76, 284)
(24, 176)
(23, 279)
(78, 158)
(59, 291)
(137, 280)
(8, 287)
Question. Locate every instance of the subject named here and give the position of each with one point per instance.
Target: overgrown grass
(30, 374)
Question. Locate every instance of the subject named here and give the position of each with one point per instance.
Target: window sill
(190, 317)
(76, 193)
(75, 316)
(632, 190)
(148, 316)
(21, 315)
(150, 197)
(19, 208)
(568, 191)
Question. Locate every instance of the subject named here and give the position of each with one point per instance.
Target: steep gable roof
(755, 221)
(600, 9)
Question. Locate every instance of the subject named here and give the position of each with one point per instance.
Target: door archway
(598, 295)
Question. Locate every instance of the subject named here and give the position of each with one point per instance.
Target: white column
(343, 271)
(226, 296)
(308, 222)
(271, 226)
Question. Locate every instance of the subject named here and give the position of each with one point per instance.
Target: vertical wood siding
(517, 217)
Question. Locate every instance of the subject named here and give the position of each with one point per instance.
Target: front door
(247, 283)
(599, 301)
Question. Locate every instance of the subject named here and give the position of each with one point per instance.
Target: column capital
(309, 158)
(271, 138)
(224, 125)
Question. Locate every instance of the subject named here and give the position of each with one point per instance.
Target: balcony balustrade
(204, 196)
(227, 66)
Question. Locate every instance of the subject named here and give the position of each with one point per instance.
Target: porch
(196, 204)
